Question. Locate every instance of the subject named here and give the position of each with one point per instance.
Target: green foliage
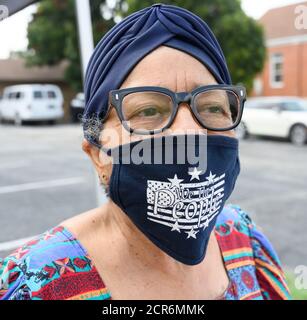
(297, 294)
(53, 34)
(240, 36)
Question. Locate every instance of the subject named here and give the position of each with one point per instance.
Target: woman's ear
(93, 153)
(100, 161)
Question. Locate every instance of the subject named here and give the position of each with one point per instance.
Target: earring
(104, 183)
(102, 179)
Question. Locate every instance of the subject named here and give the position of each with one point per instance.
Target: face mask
(175, 205)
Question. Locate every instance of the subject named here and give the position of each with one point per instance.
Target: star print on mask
(195, 174)
(210, 178)
(176, 226)
(175, 181)
(191, 233)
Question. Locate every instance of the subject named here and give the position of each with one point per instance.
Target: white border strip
(14, 244)
(41, 185)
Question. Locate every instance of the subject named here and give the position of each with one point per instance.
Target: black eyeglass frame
(116, 98)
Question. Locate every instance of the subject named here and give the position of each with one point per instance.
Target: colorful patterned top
(55, 265)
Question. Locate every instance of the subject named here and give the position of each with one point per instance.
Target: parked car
(284, 117)
(77, 107)
(32, 102)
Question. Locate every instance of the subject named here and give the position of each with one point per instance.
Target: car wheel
(241, 131)
(17, 120)
(74, 119)
(51, 122)
(74, 116)
(298, 135)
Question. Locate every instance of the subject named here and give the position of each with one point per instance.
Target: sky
(13, 30)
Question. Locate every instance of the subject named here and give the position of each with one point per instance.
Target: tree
(241, 37)
(53, 36)
(52, 33)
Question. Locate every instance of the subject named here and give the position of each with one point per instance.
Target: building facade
(285, 70)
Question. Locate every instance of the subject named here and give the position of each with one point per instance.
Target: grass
(297, 294)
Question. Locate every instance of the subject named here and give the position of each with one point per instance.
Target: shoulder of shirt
(234, 221)
(46, 248)
(239, 234)
(237, 223)
(234, 213)
(39, 261)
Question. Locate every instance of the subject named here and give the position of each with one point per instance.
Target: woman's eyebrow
(197, 85)
(203, 85)
(194, 85)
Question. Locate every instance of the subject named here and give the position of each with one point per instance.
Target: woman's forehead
(169, 68)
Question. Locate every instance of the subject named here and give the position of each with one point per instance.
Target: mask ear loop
(99, 146)
(107, 151)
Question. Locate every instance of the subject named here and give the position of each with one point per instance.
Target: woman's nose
(184, 119)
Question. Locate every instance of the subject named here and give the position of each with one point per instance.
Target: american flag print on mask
(186, 207)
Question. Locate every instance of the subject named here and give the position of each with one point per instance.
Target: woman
(165, 231)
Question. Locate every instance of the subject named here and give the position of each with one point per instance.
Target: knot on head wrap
(124, 45)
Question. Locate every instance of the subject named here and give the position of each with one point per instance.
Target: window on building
(277, 63)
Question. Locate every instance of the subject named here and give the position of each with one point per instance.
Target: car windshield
(51, 94)
(287, 105)
(295, 105)
(37, 95)
(304, 105)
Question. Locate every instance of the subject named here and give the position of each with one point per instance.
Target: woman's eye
(212, 109)
(148, 112)
(216, 109)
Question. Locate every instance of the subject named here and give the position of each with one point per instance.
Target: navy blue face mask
(175, 205)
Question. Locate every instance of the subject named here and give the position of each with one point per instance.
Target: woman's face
(164, 67)
(169, 68)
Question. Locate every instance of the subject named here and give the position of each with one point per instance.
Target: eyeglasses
(150, 109)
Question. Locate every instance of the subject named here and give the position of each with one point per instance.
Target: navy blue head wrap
(134, 37)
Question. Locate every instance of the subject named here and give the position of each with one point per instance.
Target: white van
(31, 102)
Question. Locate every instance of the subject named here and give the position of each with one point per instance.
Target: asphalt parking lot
(45, 177)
